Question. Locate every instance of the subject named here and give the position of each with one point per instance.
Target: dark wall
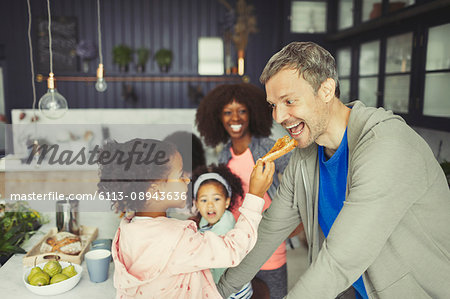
(174, 24)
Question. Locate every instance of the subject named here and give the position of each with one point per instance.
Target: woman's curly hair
(233, 180)
(121, 180)
(209, 113)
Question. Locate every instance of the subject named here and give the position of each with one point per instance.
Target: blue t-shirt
(332, 189)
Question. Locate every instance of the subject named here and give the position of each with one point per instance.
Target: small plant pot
(140, 68)
(164, 59)
(85, 66)
(123, 68)
(164, 68)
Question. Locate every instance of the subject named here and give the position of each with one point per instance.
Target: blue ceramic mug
(101, 244)
(98, 264)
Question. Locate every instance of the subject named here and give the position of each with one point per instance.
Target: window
(368, 72)
(308, 16)
(344, 63)
(210, 56)
(437, 72)
(345, 14)
(397, 72)
(371, 9)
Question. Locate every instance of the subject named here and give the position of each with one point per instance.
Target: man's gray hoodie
(394, 227)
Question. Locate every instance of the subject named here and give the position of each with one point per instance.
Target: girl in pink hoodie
(159, 257)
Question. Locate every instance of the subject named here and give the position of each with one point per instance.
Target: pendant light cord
(33, 84)
(50, 36)
(99, 33)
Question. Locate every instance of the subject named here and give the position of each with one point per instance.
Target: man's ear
(327, 89)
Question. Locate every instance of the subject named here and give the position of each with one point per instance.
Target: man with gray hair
(374, 201)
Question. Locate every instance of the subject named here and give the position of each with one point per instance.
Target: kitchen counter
(11, 283)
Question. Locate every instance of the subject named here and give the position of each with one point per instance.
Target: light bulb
(52, 104)
(100, 85)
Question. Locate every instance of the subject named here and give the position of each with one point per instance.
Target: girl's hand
(261, 178)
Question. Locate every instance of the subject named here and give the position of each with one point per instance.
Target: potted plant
(142, 55)
(87, 51)
(17, 223)
(164, 58)
(122, 56)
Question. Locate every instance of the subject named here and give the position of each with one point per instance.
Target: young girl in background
(160, 257)
(239, 116)
(215, 191)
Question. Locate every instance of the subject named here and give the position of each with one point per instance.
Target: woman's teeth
(236, 128)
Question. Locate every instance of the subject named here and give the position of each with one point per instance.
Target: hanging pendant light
(33, 84)
(52, 104)
(100, 85)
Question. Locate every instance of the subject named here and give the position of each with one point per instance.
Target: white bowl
(57, 288)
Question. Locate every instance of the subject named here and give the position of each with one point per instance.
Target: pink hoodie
(167, 258)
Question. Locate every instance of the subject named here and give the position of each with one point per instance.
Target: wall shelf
(236, 79)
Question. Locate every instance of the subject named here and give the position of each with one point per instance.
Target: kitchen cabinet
(394, 54)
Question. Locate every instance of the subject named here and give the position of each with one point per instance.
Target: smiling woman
(211, 111)
(235, 120)
(240, 116)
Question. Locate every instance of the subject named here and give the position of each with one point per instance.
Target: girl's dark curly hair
(233, 180)
(192, 157)
(118, 179)
(209, 113)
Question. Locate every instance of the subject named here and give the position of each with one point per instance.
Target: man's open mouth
(296, 129)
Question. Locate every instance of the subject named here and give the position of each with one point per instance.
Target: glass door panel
(396, 5)
(398, 53)
(371, 9)
(344, 62)
(308, 16)
(369, 58)
(438, 53)
(437, 77)
(368, 90)
(344, 86)
(345, 14)
(436, 97)
(398, 62)
(396, 93)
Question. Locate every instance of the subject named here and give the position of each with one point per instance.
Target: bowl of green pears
(52, 278)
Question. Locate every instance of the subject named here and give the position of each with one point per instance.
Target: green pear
(34, 271)
(69, 271)
(40, 279)
(52, 268)
(58, 278)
